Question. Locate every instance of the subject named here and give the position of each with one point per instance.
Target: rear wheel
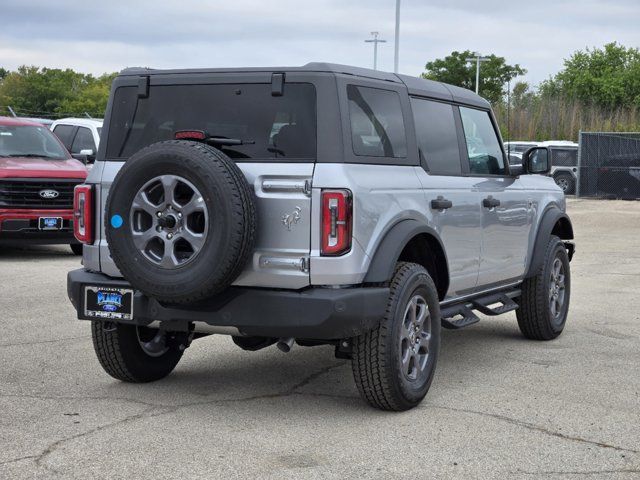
(76, 248)
(566, 182)
(136, 354)
(393, 365)
(544, 303)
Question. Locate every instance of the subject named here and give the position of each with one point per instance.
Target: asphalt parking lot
(499, 406)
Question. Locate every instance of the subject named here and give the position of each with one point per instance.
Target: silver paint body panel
(483, 246)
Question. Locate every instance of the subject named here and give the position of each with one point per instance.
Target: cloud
(106, 36)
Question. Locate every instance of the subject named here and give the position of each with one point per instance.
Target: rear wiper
(229, 141)
(203, 136)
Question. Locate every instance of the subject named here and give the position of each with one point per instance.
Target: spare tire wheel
(180, 221)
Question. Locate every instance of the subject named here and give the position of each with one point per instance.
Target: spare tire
(180, 221)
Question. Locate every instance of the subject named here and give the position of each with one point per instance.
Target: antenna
(508, 119)
(11, 110)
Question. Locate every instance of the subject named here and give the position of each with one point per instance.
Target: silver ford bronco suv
(315, 205)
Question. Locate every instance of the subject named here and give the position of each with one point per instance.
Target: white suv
(564, 163)
(81, 136)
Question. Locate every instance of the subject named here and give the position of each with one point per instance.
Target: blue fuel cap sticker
(116, 221)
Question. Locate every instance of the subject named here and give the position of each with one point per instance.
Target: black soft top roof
(415, 85)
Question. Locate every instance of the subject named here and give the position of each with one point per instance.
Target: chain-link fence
(609, 165)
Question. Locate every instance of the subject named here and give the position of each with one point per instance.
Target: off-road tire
(568, 180)
(376, 362)
(534, 315)
(121, 356)
(231, 229)
(76, 248)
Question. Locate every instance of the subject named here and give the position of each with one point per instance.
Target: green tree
(521, 96)
(54, 92)
(494, 73)
(608, 77)
(92, 98)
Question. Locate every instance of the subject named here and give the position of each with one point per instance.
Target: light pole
(375, 40)
(396, 44)
(478, 58)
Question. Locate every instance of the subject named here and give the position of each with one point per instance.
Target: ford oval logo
(49, 193)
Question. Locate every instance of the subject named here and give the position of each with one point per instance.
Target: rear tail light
(337, 209)
(83, 213)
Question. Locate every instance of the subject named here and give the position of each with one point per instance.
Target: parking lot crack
(41, 342)
(536, 428)
(52, 447)
(293, 390)
(84, 398)
(19, 459)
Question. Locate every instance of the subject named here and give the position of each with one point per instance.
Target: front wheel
(393, 365)
(136, 354)
(544, 302)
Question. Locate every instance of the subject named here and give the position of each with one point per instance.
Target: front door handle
(490, 202)
(441, 203)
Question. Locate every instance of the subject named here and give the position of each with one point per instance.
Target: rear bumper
(314, 313)
(21, 225)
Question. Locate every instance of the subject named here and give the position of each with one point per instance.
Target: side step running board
(462, 314)
(465, 314)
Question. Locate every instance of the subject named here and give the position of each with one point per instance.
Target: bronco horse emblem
(290, 219)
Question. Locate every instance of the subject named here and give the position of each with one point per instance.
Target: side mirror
(85, 156)
(537, 160)
(80, 157)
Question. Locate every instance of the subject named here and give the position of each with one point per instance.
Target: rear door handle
(441, 203)
(490, 202)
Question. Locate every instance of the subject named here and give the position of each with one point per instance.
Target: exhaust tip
(285, 344)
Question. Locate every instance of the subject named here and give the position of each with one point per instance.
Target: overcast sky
(103, 36)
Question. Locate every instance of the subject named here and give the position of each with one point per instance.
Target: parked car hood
(21, 167)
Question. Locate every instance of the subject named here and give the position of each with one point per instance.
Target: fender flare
(549, 219)
(388, 251)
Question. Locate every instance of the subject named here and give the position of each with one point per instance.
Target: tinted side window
(377, 126)
(564, 157)
(83, 141)
(485, 154)
(437, 136)
(65, 134)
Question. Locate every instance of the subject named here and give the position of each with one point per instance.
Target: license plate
(50, 223)
(108, 302)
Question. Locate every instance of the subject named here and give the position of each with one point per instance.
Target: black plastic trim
(314, 313)
(549, 218)
(387, 254)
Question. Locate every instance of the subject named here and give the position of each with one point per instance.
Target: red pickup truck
(37, 178)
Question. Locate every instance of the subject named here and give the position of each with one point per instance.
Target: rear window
(274, 128)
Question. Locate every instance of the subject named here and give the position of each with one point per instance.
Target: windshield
(262, 126)
(30, 141)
